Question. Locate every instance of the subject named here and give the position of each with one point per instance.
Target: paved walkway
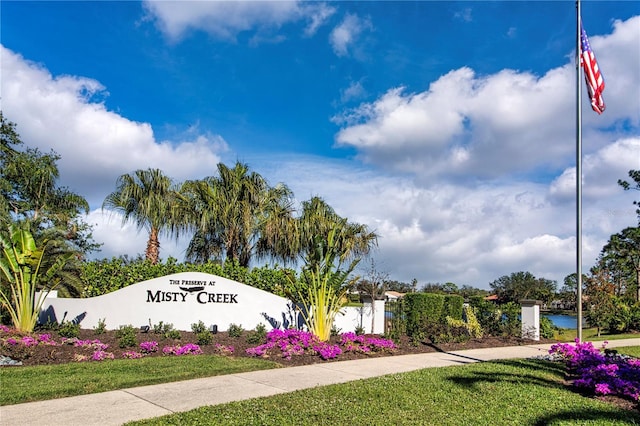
(121, 406)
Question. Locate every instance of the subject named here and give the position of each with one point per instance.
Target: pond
(565, 321)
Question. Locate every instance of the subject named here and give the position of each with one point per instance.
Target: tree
(31, 199)
(373, 285)
(398, 286)
(352, 240)
(568, 292)
(600, 300)
(523, 285)
(236, 216)
(620, 258)
(635, 184)
(146, 197)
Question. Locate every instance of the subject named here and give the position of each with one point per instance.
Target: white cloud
(464, 15)
(226, 19)
(119, 238)
(508, 123)
(318, 14)
(96, 145)
(347, 33)
(355, 91)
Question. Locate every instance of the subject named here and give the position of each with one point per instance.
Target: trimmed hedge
(427, 310)
(452, 307)
(107, 275)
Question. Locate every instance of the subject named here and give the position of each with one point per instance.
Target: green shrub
(423, 312)
(108, 275)
(452, 306)
(510, 324)
(258, 335)
(473, 325)
(69, 329)
(198, 327)
(235, 330)
(204, 338)
(547, 329)
(158, 328)
(455, 331)
(126, 335)
(101, 327)
(173, 334)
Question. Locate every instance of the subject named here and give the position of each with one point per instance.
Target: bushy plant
(204, 338)
(453, 306)
(173, 334)
(600, 371)
(423, 312)
(198, 327)
(126, 335)
(620, 318)
(20, 264)
(323, 286)
(101, 327)
(69, 329)
(258, 335)
(473, 325)
(167, 330)
(158, 328)
(547, 329)
(235, 330)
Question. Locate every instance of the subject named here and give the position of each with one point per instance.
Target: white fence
(187, 298)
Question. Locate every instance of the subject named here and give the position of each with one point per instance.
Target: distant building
(392, 296)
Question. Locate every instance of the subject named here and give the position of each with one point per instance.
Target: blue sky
(448, 127)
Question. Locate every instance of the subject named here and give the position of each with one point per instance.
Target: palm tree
(352, 240)
(235, 215)
(146, 197)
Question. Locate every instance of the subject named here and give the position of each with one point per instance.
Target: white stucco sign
(180, 299)
(187, 298)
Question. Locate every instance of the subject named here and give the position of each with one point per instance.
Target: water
(564, 321)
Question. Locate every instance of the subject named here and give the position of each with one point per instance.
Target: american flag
(595, 82)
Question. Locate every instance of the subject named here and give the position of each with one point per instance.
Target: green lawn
(591, 334)
(633, 351)
(24, 384)
(514, 392)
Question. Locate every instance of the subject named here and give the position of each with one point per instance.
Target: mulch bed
(45, 354)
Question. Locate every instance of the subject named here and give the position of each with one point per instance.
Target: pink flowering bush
(365, 344)
(224, 350)
(132, 355)
(600, 371)
(149, 347)
(90, 344)
(295, 342)
(188, 349)
(101, 355)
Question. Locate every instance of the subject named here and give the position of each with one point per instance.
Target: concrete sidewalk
(121, 406)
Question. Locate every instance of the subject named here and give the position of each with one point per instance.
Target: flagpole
(578, 177)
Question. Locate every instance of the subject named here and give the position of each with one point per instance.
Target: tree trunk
(152, 253)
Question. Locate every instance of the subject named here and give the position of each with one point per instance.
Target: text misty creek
(190, 287)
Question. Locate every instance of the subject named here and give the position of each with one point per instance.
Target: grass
(591, 334)
(633, 351)
(510, 392)
(37, 383)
